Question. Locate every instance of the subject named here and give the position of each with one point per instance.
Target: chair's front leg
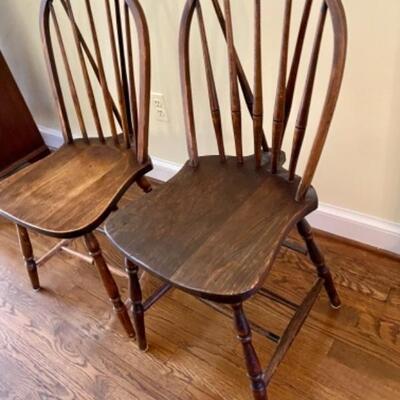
(253, 365)
(137, 305)
(318, 260)
(109, 283)
(27, 252)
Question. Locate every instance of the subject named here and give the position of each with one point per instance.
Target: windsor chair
(70, 193)
(215, 229)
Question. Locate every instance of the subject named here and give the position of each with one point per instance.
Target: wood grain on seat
(70, 192)
(213, 230)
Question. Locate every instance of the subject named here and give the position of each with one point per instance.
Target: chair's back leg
(144, 184)
(318, 260)
(137, 304)
(109, 283)
(27, 252)
(252, 362)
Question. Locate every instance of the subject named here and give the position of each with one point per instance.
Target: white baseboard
(52, 137)
(163, 170)
(353, 225)
(350, 224)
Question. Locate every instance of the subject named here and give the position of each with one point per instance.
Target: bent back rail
(121, 110)
(286, 83)
(338, 18)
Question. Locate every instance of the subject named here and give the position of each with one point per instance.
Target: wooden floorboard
(65, 343)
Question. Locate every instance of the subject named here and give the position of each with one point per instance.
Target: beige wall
(359, 169)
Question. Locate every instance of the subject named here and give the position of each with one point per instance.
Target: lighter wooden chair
(215, 229)
(71, 192)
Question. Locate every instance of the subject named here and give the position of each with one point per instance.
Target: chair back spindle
(280, 98)
(102, 77)
(123, 67)
(212, 91)
(286, 83)
(244, 83)
(70, 78)
(258, 109)
(291, 84)
(131, 71)
(302, 118)
(234, 88)
(85, 72)
(91, 60)
(121, 114)
(117, 72)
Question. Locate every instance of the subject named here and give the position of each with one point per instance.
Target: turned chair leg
(137, 305)
(253, 365)
(109, 283)
(27, 252)
(144, 184)
(318, 260)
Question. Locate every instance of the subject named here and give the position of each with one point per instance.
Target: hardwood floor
(64, 342)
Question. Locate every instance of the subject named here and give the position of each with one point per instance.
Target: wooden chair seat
(213, 230)
(70, 192)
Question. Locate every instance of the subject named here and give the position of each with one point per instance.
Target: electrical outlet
(159, 107)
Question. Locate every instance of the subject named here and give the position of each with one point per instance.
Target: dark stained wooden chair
(215, 229)
(71, 192)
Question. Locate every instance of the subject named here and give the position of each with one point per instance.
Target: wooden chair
(71, 192)
(215, 229)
